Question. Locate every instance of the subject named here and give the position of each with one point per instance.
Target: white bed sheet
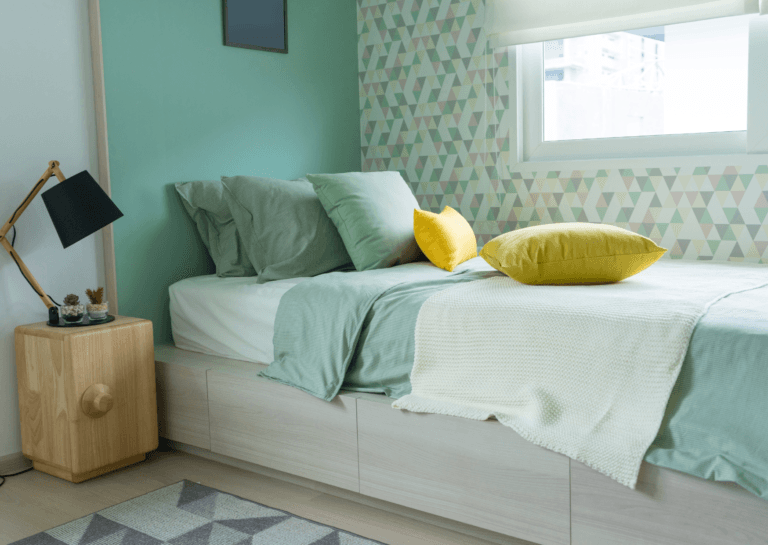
(228, 317)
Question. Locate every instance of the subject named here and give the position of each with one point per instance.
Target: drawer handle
(97, 400)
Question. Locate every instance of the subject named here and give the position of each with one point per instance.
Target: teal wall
(181, 106)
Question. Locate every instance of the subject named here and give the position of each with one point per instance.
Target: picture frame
(256, 24)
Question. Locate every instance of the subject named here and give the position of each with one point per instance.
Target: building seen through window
(678, 79)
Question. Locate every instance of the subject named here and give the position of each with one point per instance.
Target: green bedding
(320, 321)
(356, 331)
(716, 423)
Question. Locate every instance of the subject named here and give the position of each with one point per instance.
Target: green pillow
(204, 201)
(373, 212)
(285, 231)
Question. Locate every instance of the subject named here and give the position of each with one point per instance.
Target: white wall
(46, 113)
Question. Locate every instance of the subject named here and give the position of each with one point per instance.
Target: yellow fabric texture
(571, 253)
(446, 238)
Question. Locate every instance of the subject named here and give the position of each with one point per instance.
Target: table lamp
(78, 207)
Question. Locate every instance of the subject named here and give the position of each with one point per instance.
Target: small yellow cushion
(571, 253)
(446, 238)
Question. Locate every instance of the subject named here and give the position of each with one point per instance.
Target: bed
(696, 437)
(360, 301)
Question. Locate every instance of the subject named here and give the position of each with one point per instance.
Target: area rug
(188, 513)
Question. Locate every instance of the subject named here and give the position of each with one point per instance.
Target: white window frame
(530, 150)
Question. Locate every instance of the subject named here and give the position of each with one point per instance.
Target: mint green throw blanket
(356, 331)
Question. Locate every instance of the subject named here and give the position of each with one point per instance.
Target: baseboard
(13, 463)
(420, 516)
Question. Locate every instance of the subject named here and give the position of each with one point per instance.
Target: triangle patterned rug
(188, 513)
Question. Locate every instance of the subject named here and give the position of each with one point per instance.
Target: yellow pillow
(445, 238)
(571, 253)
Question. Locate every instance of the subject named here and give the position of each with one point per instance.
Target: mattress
(229, 317)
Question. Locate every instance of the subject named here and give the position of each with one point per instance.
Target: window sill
(612, 163)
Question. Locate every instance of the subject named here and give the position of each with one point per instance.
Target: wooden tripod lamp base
(53, 170)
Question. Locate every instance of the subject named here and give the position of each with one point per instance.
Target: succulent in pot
(97, 308)
(72, 311)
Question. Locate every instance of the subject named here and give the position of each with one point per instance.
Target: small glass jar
(72, 314)
(98, 313)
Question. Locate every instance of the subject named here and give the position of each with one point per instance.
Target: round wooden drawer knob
(97, 400)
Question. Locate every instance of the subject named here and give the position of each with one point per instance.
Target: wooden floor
(34, 501)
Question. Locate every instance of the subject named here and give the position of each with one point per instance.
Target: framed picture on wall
(256, 24)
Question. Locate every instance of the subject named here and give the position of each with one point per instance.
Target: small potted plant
(97, 308)
(72, 311)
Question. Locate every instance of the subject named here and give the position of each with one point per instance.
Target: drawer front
(182, 404)
(121, 358)
(283, 428)
(479, 473)
(667, 508)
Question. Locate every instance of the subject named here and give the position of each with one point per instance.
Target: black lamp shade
(79, 207)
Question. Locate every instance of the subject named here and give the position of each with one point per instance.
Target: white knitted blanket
(582, 370)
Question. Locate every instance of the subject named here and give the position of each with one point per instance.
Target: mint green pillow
(285, 231)
(204, 202)
(373, 212)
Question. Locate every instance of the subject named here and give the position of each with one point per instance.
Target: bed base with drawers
(479, 478)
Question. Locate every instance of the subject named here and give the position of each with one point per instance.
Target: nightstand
(86, 396)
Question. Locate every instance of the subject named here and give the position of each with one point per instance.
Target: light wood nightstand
(86, 396)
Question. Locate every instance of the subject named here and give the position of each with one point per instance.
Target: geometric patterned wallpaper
(433, 101)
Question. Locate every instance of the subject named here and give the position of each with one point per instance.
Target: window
(678, 79)
(671, 90)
